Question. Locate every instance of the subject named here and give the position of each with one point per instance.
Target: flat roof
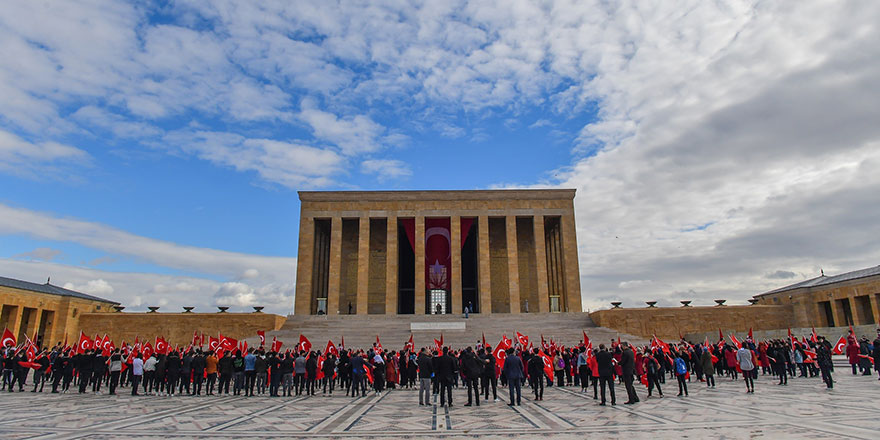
(481, 194)
(824, 280)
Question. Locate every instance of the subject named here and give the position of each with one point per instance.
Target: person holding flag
(708, 365)
(745, 358)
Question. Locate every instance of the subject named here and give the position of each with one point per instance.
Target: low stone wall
(177, 328)
(830, 333)
(670, 322)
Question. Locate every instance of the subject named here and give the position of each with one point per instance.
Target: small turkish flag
(276, 345)
(213, 343)
(736, 342)
(379, 345)
(331, 349)
(304, 344)
(500, 352)
(410, 346)
(522, 339)
(84, 343)
(548, 365)
(161, 345)
(839, 346)
(8, 339)
(147, 350)
(262, 335)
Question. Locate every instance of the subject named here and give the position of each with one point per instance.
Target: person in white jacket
(744, 358)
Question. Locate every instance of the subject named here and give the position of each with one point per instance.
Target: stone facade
(524, 242)
(825, 302)
(52, 316)
(177, 328)
(670, 322)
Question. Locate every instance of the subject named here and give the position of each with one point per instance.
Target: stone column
(484, 265)
(391, 267)
(570, 260)
(419, 248)
(303, 294)
(15, 319)
(837, 312)
(455, 249)
(854, 309)
(363, 275)
(512, 264)
(541, 262)
(335, 271)
(875, 307)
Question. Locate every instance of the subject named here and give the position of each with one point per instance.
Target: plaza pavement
(803, 409)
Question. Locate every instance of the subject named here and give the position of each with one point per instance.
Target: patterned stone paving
(803, 409)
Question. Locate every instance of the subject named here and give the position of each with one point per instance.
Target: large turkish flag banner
(438, 253)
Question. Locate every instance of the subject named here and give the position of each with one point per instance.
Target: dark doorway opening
(406, 273)
(470, 271)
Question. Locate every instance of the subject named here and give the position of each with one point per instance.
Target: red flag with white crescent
(500, 352)
(379, 345)
(106, 345)
(161, 345)
(8, 339)
(196, 338)
(409, 346)
(262, 335)
(548, 365)
(840, 346)
(147, 350)
(213, 343)
(331, 349)
(84, 343)
(276, 345)
(522, 339)
(304, 344)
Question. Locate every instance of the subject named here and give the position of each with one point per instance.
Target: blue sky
(151, 152)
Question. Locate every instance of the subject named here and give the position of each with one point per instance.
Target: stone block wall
(670, 322)
(177, 328)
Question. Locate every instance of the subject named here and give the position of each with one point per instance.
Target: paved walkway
(803, 409)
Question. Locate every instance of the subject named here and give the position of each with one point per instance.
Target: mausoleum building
(430, 252)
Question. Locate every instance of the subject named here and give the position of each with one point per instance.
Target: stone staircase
(394, 330)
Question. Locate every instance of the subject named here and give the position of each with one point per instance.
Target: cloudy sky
(150, 152)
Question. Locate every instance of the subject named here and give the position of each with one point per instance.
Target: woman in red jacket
(852, 351)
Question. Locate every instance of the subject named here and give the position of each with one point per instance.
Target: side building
(50, 312)
(437, 252)
(852, 298)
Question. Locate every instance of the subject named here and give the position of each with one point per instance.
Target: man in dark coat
(536, 374)
(627, 366)
(488, 376)
(444, 370)
(513, 372)
(473, 368)
(604, 363)
(426, 372)
(197, 366)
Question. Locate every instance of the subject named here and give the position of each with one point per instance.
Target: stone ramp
(395, 330)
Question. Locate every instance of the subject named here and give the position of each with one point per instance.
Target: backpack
(680, 366)
(560, 364)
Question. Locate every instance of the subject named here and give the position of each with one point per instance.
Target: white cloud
(36, 159)
(290, 164)
(41, 253)
(385, 169)
(163, 253)
(97, 287)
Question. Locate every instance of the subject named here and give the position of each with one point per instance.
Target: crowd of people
(435, 370)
